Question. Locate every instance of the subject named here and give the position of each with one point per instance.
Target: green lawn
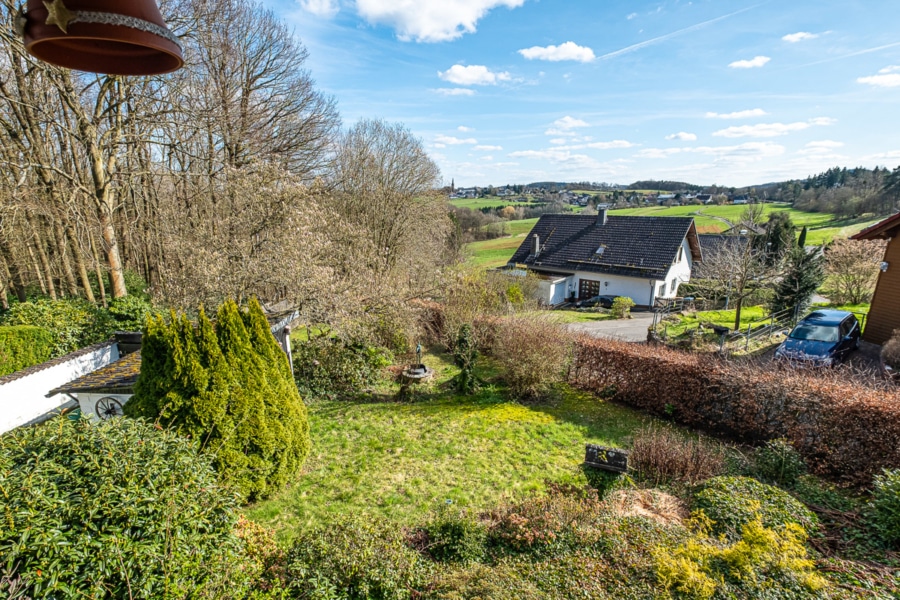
(399, 460)
(497, 252)
(492, 202)
(724, 318)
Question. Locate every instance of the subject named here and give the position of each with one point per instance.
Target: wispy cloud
(683, 136)
(450, 140)
(850, 55)
(565, 126)
(821, 148)
(453, 91)
(489, 148)
(465, 129)
(886, 77)
(763, 130)
(473, 75)
(632, 16)
(566, 51)
(320, 8)
(800, 36)
(750, 151)
(754, 63)
(741, 114)
(668, 36)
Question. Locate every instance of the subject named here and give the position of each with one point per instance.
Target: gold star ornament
(58, 14)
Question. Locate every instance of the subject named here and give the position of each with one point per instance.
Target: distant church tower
(452, 186)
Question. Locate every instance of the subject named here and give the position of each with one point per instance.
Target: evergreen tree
(804, 273)
(230, 388)
(801, 241)
(779, 237)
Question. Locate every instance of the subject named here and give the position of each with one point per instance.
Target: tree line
(229, 178)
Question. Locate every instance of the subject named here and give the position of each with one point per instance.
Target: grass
(723, 318)
(497, 252)
(398, 460)
(479, 203)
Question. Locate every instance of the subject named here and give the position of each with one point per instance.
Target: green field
(493, 202)
(399, 460)
(823, 227)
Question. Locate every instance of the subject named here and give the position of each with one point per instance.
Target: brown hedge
(846, 428)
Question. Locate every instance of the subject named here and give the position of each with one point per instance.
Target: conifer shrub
(884, 508)
(732, 502)
(117, 509)
(23, 346)
(230, 388)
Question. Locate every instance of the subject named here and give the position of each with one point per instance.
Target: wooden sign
(608, 459)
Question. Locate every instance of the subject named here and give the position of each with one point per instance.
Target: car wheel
(856, 344)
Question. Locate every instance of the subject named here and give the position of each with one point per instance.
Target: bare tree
(852, 268)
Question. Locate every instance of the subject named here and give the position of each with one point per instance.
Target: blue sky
(731, 92)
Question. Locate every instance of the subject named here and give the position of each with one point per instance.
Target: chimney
(601, 214)
(537, 245)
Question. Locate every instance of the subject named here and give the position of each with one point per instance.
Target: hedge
(22, 346)
(846, 429)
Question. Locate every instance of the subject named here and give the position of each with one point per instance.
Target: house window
(673, 286)
(680, 254)
(661, 290)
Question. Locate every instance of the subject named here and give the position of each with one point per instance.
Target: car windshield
(815, 333)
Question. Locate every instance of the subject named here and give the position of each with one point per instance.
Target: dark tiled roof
(632, 246)
(54, 361)
(712, 244)
(119, 376)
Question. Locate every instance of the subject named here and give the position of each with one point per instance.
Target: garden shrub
(890, 352)
(778, 462)
(732, 502)
(621, 307)
(533, 353)
(465, 354)
(129, 313)
(116, 509)
(229, 387)
(826, 416)
(764, 562)
(330, 367)
(662, 455)
(23, 346)
(498, 582)
(74, 323)
(884, 507)
(358, 559)
(455, 536)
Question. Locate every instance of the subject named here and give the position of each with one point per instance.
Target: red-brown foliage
(846, 429)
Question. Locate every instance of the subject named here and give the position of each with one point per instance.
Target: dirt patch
(652, 504)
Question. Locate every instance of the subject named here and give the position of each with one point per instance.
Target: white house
(580, 256)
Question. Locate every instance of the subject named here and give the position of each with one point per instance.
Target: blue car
(823, 338)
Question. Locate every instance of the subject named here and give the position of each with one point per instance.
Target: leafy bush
(763, 563)
(456, 536)
(778, 462)
(884, 508)
(329, 367)
(230, 387)
(116, 509)
(621, 307)
(360, 559)
(732, 502)
(890, 352)
(74, 323)
(533, 353)
(129, 313)
(662, 455)
(500, 582)
(22, 346)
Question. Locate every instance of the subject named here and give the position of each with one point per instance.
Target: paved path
(629, 330)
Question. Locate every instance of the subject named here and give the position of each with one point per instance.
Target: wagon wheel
(108, 408)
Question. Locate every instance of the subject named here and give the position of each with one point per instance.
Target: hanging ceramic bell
(116, 37)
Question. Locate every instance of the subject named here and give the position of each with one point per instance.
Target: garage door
(588, 288)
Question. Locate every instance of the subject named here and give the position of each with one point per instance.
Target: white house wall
(680, 271)
(632, 287)
(87, 402)
(24, 400)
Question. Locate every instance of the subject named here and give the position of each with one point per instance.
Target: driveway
(628, 330)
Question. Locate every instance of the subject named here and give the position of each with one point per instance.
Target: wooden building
(884, 316)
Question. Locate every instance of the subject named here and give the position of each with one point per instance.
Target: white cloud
(449, 140)
(565, 126)
(439, 21)
(566, 51)
(683, 136)
(799, 37)
(489, 148)
(465, 129)
(454, 92)
(472, 75)
(887, 77)
(606, 145)
(321, 8)
(741, 114)
(763, 130)
(758, 61)
(821, 147)
(632, 16)
(748, 152)
(559, 141)
(439, 145)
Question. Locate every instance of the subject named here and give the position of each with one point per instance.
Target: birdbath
(418, 372)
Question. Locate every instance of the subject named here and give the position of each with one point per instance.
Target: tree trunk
(44, 260)
(63, 250)
(79, 263)
(100, 285)
(738, 304)
(15, 273)
(37, 268)
(113, 257)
